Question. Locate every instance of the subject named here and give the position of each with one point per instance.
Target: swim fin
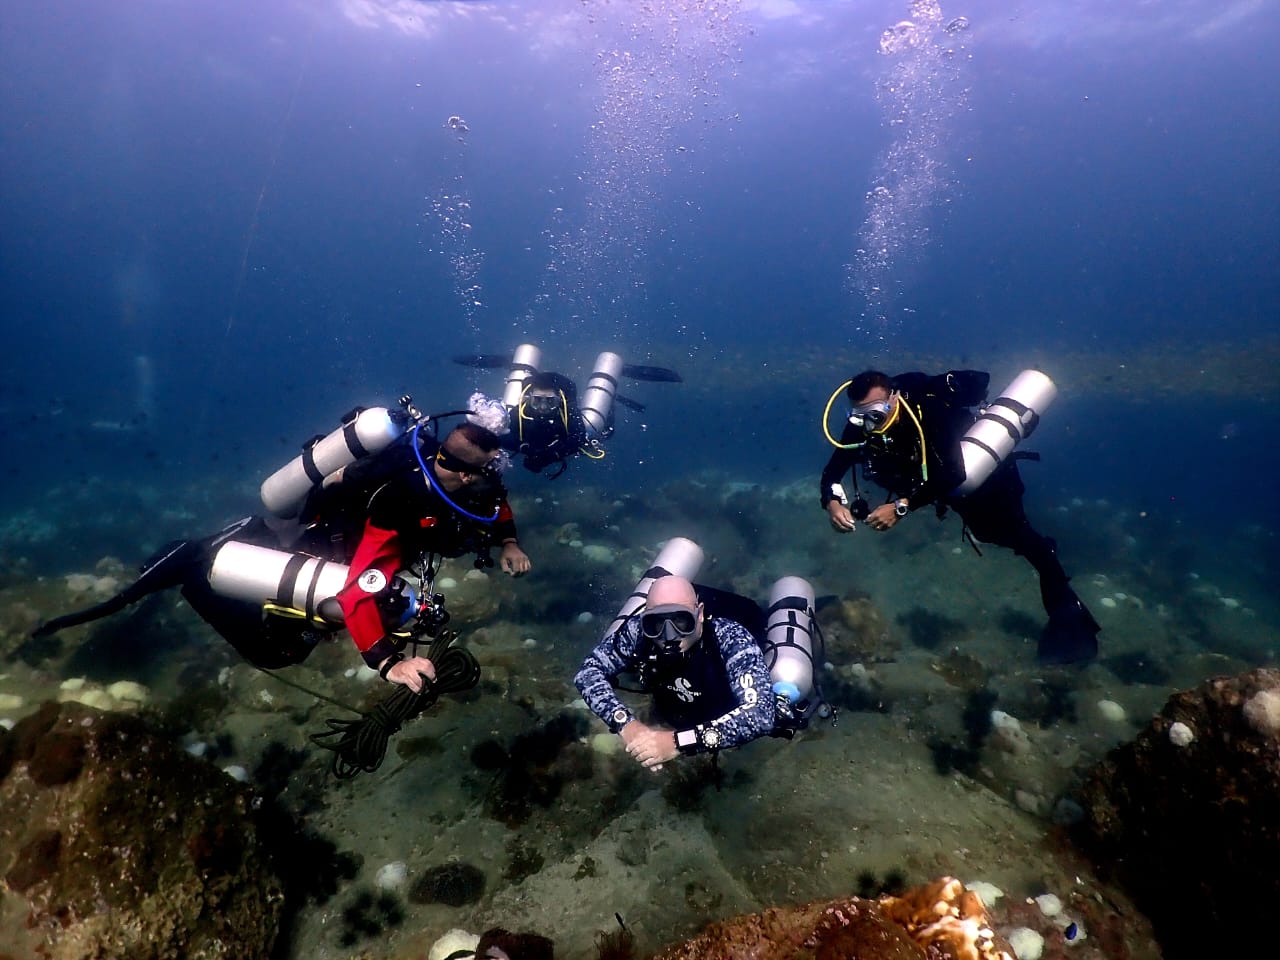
(630, 404)
(1071, 635)
(652, 374)
(168, 568)
(485, 361)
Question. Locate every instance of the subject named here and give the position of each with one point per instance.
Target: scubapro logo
(684, 690)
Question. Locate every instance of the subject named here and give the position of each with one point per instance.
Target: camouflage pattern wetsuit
(721, 684)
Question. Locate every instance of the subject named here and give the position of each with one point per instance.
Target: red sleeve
(504, 527)
(379, 549)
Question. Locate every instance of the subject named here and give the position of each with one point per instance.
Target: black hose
(361, 745)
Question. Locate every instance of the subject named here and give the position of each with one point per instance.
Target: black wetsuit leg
(264, 640)
(171, 566)
(995, 514)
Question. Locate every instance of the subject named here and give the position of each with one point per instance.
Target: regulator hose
(361, 745)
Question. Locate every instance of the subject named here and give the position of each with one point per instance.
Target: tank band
(311, 587)
(352, 438)
(309, 464)
(789, 603)
(1025, 415)
(983, 447)
(1009, 428)
(289, 579)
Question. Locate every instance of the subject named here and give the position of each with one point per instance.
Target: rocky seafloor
(954, 752)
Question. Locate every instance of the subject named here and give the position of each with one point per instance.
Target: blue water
(250, 198)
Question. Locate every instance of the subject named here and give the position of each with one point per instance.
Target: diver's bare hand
(841, 519)
(883, 517)
(651, 746)
(514, 560)
(406, 673)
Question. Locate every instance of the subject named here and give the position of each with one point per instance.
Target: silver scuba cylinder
(596, 404)
(524, 364)
(362, 433)
(1002, 425)
(788, 644)
(259, 575)
(679, 557)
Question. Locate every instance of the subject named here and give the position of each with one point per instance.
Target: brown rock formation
(939, 921)
(1191, 828)
(116, 844)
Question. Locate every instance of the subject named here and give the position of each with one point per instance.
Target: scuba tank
(597, 399)
(680, 558)
(524, 364)
(788, 643)
(1002, 425)
(296, 583)
(363, 432)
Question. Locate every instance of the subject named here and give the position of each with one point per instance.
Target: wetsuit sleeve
(504, 528)
(756, 712)
(840, 463)
(379, 549)
(612, 655)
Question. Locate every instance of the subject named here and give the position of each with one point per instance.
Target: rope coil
(361, 745)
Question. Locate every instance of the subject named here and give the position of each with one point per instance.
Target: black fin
(1071, 635)
(485, 361)
(652, 374)
(168, 568)
(630, 404)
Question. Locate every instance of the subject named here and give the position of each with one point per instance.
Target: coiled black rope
(360, 745)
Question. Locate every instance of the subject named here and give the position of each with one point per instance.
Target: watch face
(620, 715)
(711, 738)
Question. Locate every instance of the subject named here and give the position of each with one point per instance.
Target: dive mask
(448, 461)
(872, 416)
(667, 625)
(543, 406)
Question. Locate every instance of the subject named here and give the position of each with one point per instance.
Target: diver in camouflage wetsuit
(707, 677)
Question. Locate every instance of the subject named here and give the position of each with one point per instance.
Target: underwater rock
(453, 884)
(939, 920)
(864, 633)
(123, 846)
(1200, 819)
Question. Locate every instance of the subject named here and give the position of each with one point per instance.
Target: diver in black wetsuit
(547, 428)
(547, 423)
(905, 432)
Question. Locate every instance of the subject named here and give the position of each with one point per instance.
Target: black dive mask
(485, 474)
(666, 626)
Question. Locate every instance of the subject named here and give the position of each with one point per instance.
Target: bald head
(667, 596)
(671, 589)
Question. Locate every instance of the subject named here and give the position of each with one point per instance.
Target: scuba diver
(549, 428)
(376, 501)
(548, 424)
(916, 436)
(720, 671)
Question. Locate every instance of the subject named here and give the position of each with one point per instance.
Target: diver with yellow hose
(547, 428)
(917, 437)
(547, 423)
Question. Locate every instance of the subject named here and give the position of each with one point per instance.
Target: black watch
(900, 506)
